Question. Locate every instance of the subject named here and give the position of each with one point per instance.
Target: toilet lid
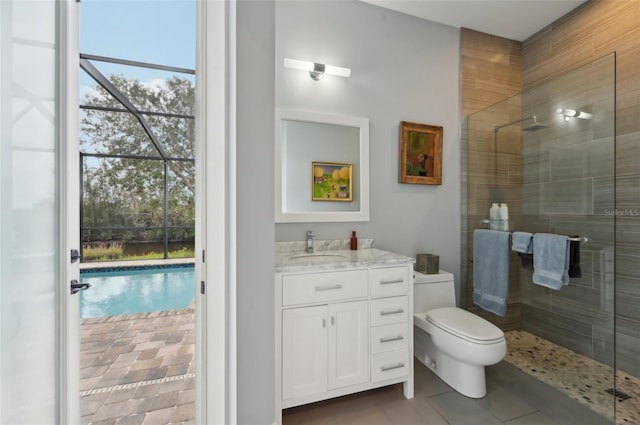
(465, 324)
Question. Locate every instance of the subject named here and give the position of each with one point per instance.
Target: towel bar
(572, 239)
(579, 239)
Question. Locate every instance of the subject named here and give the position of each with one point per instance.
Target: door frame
(215, 218)
(215, 400)
(68, 68)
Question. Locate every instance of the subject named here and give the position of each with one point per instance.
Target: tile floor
(513, 398)
(581, 378)
(138, 369)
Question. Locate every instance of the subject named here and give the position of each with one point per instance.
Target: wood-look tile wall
(594, 30)
(490, 73)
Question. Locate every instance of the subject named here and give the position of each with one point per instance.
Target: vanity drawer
(322, 287)
(389, 337)
(385, 311)
(389, 365)
(388, 281)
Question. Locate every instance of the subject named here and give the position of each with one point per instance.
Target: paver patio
(138, 369)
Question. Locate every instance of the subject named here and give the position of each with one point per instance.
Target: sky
(154, 31)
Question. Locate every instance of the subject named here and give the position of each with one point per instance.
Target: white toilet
(454, 343)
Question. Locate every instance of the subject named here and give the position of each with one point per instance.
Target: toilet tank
(433, 291)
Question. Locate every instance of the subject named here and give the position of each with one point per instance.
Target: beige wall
(490, 73)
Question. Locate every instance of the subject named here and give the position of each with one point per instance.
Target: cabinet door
(304, 351)
(348, 344)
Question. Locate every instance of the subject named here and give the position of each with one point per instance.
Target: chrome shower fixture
(534, 126)
(572, 113)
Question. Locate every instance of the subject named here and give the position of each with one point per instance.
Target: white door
(348, 344)
(39, 222)
(35, 298)
(304, 351)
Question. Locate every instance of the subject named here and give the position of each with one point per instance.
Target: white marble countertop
(291, 257)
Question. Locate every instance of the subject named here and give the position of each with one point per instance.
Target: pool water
(136, 291)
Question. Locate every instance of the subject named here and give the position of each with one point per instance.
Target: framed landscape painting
(420, 153)
(331, 181)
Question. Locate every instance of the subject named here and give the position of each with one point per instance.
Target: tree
(129, 192)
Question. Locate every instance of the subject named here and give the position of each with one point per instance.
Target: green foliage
(182, 253)
(103, 252)
(115, 252)
(123, 192)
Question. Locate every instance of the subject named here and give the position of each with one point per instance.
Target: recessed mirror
(322, 167)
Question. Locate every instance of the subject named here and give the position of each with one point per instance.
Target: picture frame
(331, 181)
(420, 153)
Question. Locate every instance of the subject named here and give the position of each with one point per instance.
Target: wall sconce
(572, 113)
(317, 70)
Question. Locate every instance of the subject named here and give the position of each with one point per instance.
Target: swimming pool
(141, 290)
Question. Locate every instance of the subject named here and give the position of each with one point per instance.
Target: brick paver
(138, 369)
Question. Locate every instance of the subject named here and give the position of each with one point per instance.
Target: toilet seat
(465, 325)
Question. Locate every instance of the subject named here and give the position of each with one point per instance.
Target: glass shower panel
(557, 177)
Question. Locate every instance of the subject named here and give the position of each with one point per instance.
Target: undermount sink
(318, 257)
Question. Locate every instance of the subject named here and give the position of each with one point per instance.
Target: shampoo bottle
(354, 241)
(494, 216)
(504, 217)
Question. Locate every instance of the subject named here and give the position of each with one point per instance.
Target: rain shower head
(534, 126)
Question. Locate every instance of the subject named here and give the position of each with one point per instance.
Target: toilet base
(465, 378)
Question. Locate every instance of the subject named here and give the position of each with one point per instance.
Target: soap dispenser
(354, 241)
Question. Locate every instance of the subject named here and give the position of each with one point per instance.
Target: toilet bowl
(454, 343)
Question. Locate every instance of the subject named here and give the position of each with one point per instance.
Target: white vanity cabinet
(324, 347)
(342, 331)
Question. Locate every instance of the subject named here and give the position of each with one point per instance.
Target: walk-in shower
(558, 175)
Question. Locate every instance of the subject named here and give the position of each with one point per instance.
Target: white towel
(550, 260)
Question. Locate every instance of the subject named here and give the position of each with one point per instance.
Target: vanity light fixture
(572, 113)
(317, 70)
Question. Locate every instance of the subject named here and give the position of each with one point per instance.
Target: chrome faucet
(310, 238)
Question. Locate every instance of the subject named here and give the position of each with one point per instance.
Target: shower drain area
(587, 381)
(618, 394)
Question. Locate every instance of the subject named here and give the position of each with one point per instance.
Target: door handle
(77, 287)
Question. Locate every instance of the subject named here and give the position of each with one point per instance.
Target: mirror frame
(281, 213)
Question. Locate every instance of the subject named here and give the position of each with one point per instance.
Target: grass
(115, 251)
(105, 252)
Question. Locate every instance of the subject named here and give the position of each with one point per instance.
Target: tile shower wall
(594, 30)
(567, 187)
(490, 72)
(590, 32)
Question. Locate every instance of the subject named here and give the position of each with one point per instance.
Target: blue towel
(491, 270)
(550, 260)
(522, 242)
